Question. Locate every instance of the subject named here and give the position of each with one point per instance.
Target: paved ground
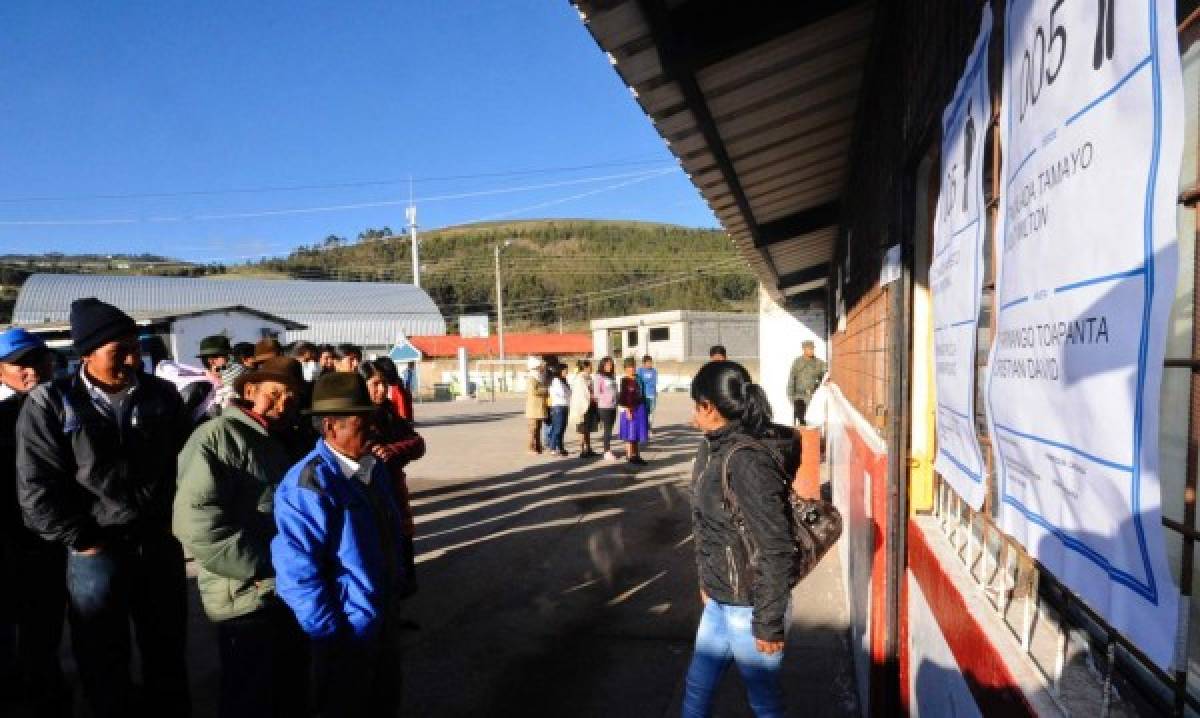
(563, 588)
(557, 587)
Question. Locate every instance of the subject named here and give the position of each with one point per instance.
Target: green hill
(553, 270)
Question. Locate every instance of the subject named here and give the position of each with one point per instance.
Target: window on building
(631, 338)
(659, 334)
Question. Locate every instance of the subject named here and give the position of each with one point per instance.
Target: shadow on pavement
(569, 588)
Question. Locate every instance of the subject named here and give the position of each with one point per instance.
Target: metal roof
(365, 313)
(758, 102)
(161, 318)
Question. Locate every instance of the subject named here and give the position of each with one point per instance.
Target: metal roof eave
(758, 102)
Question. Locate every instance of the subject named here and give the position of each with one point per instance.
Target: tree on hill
(553, 270)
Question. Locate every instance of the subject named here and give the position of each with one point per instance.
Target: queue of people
(587, 401)
(287, 491)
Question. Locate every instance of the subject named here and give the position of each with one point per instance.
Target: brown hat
(267, 348)
(340, 393)
(284, 370)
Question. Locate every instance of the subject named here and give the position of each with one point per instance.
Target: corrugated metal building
(371, 315)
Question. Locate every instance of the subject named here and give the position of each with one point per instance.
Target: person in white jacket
(582, 415)
(560, 402)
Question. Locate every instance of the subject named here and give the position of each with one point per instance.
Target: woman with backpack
(745, 540)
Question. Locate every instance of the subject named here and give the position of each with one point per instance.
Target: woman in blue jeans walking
(744, 541)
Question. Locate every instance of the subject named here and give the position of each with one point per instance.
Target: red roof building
(515, 345)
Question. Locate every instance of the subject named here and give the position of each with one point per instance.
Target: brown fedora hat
(284, 370)
(267, 348)
(339, 393)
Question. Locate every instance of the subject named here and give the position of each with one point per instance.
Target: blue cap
(16, 343)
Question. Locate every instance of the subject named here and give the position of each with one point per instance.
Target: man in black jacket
(96, 459)
(38, 598)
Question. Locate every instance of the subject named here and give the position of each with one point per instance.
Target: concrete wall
(935, 682)
(857, 459)
(740, 338)
(187, 332)
(781, 332)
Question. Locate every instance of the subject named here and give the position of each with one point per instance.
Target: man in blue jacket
(339, 555)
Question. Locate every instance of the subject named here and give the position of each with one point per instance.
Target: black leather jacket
(85, 478)
(757, 571)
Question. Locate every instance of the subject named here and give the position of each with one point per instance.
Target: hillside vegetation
(553, 270)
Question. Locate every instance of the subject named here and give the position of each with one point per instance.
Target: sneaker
(610, 456)
(637, 461)
(562, 452)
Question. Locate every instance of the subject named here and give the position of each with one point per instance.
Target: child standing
(560, 402)
(604, 388)
(631, 399)
(649, 376)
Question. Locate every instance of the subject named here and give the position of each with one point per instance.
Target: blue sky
(108, 104)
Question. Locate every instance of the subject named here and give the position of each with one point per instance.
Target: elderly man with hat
(805, 377)
(96, 460)
(228, 472)
(340, 558)
(35, 604)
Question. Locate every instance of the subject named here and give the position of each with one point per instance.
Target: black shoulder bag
(818, 523)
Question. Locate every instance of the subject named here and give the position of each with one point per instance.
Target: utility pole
(500, 308)
(411, 214)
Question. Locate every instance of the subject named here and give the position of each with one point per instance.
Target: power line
(640, 176)
(331, 185)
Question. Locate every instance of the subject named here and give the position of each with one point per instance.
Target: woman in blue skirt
(632, 400)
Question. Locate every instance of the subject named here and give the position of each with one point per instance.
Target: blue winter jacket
(329, 555)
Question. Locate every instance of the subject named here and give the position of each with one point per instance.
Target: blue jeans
(143, 580)
(725, 635)
(558, 427)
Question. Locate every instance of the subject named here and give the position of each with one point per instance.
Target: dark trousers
(264, 665)
(558, 427)
(142, 580)
(38, 601)
(799, 408)
(608, 417)
(357, 677)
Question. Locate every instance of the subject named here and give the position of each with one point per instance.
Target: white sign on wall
(1092, 132)
(956, 273)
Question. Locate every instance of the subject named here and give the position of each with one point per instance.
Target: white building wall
(187, 332)
(781, 332)
(600, 343)
(670, 349)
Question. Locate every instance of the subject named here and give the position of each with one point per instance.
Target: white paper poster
(1092, 131)
(956, 274)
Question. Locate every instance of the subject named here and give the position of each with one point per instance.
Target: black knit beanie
(94, 323)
